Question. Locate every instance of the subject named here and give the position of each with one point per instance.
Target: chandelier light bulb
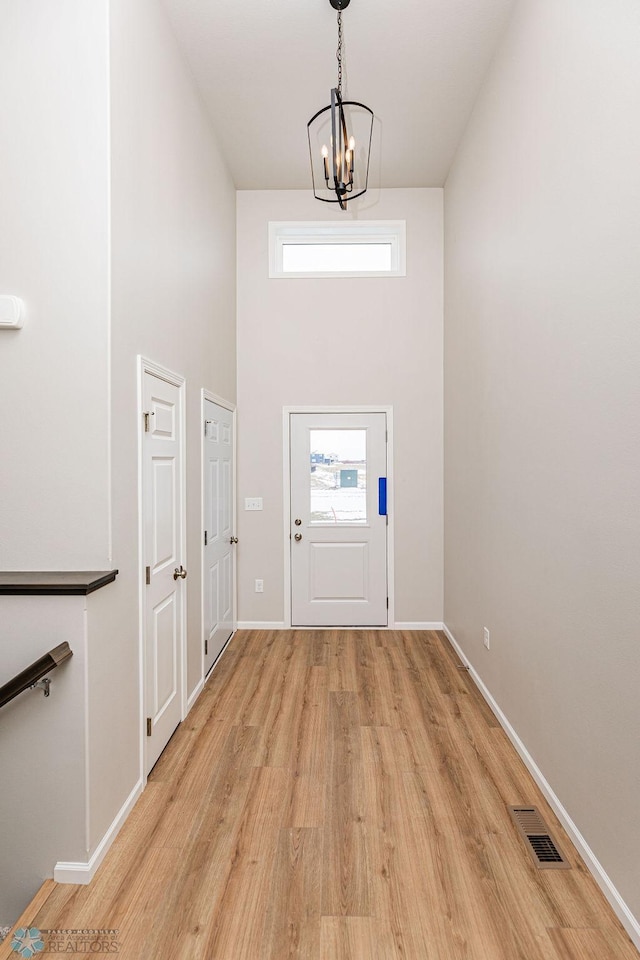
(325, 161)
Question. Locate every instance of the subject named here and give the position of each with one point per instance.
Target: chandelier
(340, 140)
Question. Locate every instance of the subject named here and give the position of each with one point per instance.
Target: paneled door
(219, 539)
(338, 519)
(163, 513)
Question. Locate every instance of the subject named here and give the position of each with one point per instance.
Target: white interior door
(163, 511)
(219, 540)
(338, 519)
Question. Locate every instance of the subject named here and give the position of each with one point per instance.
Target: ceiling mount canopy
(340, 140)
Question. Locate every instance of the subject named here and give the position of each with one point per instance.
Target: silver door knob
(298, 522)
(298, 537)
(233, 540)
(179, 573)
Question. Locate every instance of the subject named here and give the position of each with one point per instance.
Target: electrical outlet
(253, 503)
(487, 637)
(259, 586)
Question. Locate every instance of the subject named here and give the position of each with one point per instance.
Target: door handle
(179, 573)
(233, 540)
(298, 537)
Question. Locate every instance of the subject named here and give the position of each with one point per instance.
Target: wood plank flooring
(337, 795)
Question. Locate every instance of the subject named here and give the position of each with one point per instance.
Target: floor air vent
(541, 845)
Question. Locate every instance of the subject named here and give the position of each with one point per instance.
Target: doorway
(162, 519)
(218, 589)
(338, 518)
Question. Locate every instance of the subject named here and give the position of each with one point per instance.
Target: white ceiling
(265, 66)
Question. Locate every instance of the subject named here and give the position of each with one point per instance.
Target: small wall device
(11, 312)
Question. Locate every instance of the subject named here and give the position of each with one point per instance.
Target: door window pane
(338, 476)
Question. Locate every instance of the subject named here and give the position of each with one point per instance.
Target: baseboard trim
(622, 911)
(404, 625)
(197, 690)
(84, 872)
(417, 625)
(262, 625)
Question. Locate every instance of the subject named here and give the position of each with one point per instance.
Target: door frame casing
(146, 366)
(231, 407)
(286, 486)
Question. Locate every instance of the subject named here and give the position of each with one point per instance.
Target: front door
(338, 519)
(163, 512)
(219, 540)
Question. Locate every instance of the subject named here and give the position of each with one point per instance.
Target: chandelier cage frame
(340, 170)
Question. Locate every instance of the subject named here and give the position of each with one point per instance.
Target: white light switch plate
(253, 503)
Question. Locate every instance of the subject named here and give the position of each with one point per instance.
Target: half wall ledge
(53, 583)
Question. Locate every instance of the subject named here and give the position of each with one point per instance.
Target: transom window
(373, 248)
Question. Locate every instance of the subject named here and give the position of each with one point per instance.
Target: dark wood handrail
(30, 676)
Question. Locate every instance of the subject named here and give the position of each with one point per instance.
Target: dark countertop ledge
(55, 583)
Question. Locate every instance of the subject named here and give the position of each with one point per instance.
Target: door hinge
(387, 603)
(206, 647)
(147, 575)
(205, 538)
(148, 726)
(146, 416)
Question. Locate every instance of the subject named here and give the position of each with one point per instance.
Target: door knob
(179, 573)
(233, 540)
(297, 521)
(298, 537)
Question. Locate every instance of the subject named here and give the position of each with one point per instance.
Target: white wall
(54, 255)
(118, 230)
(542, 384)
(341, 341)
(173, 301)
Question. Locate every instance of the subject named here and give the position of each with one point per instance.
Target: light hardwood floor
(337, 794)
